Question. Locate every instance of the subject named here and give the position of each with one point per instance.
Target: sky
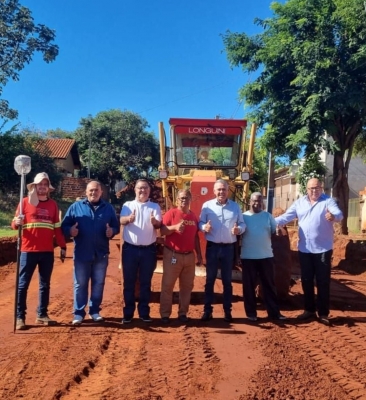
(157, 58)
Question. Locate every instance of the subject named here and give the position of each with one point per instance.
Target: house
(64, 152)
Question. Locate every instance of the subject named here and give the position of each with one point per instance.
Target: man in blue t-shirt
(257, 259)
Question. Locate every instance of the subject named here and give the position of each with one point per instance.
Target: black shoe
(183, 318)
(126, 320)
(278, 317)
(228, 317)
(165, 320)
(207, 316)
(146, 318)
(324, 319)
(306, 315)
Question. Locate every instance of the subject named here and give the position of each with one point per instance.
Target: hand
(109, 231)
(329, 216)
(62, 254)
(74, 230)
(180, 227)
(235, 230)
(199, 260)
(207, 227)
(19, 220)
(153, 220)
(132, 217)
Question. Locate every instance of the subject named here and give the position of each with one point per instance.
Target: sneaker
(146, 318)
(126, 320)
(183, 318)
(252, 319)
(165, 320)
(78, 319)
(207, 316)
(306, 315)
(45, 320)
(324, 319)
(96, 317)
(228, 317)
(20, 325)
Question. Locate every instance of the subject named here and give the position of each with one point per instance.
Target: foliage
(311, 58)
(121, 147)
(20, 38)
(14, 143)
(312, 167)
(58, 134)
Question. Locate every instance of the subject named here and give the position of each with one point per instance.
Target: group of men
(92, 222)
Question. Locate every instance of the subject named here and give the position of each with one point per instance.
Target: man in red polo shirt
(180, 226)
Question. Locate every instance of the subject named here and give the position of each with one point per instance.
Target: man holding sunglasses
(316, 213)
(180, 226)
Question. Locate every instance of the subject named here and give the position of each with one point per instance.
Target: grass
(5, 221)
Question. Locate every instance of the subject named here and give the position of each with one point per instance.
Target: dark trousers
(316, 265)
(137, 261)
(264, 270)
(27, 266)
(219, 256)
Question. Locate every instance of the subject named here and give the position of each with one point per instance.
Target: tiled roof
(56, 148)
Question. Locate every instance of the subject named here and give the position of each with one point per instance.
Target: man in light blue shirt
(316, 213)
(257, 259)
(221, 220)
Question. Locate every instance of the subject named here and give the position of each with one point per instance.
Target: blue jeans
(219, 256)
(318, 266)
(95, 271)
(137, 263)
(27, 266)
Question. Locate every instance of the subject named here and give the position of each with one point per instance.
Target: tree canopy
(20, 38)
(15, 142)
(311, 59)
(121, 147)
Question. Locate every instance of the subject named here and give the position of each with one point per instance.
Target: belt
(140, 245)
(220, 244)
(179, 252)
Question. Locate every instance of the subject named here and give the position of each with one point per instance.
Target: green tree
(20, 38)
(311, 59)
(58, 134)
(13, 143)
(120, 146)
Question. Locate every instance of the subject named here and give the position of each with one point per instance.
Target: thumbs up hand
(132, 216)
(329, 216)
(180, 226)
(153, 220)
(74, 230)
(236, 230)
(207, 227)
(109, 231)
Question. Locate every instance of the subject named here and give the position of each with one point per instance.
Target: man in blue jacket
(91, 222)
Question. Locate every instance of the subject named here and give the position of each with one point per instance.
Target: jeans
(219, 255)
(95, 271)
(264, 269)
(28, 263)
(316, 265)
(138, 262)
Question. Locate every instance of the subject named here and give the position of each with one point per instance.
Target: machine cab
(206, 144)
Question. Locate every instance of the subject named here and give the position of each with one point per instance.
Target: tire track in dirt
(337, 352)
(174, 363)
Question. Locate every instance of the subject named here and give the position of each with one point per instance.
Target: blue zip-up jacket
(91, 241)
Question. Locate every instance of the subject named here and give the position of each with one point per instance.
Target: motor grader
(200, 151)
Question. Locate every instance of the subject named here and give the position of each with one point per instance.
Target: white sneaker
(78, 319)
(96, 317)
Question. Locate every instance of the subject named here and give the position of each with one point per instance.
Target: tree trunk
(340, 187)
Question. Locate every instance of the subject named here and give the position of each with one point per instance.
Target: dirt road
(214, 360)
